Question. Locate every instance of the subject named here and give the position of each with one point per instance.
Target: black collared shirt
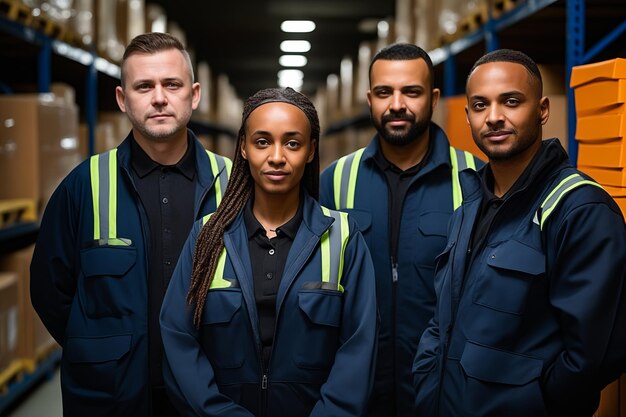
(167, 195)
(398, 182)
(268, 258)
(490, 205)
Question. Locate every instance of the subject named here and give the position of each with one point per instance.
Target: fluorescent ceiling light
(292, 60)
(291, 78)
(295, 46)
(297, 26)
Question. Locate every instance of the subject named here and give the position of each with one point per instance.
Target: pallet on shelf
(15, 211)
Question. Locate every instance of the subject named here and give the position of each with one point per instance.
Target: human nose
(397, 104)
(276, 155)
(159, 98)
(495, 115)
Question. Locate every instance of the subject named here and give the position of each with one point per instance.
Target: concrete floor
(43, 401)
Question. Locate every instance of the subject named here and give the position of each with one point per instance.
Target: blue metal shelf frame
(51, 46)
(487, 33)
(575, 55)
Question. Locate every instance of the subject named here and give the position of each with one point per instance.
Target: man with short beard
(402, 189)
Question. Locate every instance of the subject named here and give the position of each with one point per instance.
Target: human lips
(159, 116)
(497, 135)
(275, 175)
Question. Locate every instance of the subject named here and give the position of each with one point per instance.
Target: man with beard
(112, 233)
(402, 189)
(531, 301)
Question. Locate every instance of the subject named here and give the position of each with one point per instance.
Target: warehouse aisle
(44, 400)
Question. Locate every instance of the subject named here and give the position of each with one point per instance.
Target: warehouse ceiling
(241, 38)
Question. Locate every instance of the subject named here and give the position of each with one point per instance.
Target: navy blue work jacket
(325, 342)
(535, 325)
(406, 304)
(93, 299)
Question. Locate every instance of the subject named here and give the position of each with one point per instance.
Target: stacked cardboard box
(33, 340)
(38, 145)
(600, 92)
(9, 316)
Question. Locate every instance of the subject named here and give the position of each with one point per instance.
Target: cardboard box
(612, 69)
(39, 145)
(601, 129)
(35, 340)
(9, 318)
(456, 126)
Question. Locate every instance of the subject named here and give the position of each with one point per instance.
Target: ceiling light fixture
(292, 60)
(291, 78)
(297, 26)
(295, 46)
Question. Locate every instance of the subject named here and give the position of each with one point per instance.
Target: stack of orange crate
(600, 91)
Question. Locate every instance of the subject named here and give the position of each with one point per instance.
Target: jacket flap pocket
(493, 365)
(515, 256)
(107, 260)
(221, 305)
(321, 306)
(434, 223)
(363, 218)
(96, 349)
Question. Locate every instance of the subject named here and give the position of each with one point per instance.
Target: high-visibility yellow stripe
(337, 181)
(345, 234)
(457, 195)
(218, 280)
(215, 171)
(469, 160)
(325, 252)
(547, 210)
(95, 190)
(113, 194)
(354, 168)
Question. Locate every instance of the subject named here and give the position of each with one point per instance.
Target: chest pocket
(105, 291)
(512, 268)
(224, 327)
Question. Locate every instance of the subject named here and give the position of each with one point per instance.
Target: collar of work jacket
(203, 165)
(314, 224)
(550, 158)
(439, 153)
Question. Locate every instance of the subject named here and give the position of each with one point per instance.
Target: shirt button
(162, 177)
(165, 200)
(168, 263)
(269, 275)
(271, 251)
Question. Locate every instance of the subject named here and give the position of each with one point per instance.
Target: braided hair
(240, 189)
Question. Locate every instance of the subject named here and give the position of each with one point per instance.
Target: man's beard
(416, 130)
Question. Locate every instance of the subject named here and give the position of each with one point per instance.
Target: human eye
(512, 102)
(172, 85)
(478, 105)
(382, 92)
(413, 93)
(261, 142)
(292, 144)
(143, 86)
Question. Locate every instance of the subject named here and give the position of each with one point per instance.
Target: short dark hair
(404, 52)
(151, 43)
(510, 55)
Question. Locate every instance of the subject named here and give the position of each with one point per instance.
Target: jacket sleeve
(347, 389)
(54, 265)
(327, 188)
(586, 251)
(189, 377)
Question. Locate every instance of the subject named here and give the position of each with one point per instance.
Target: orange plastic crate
(605, 128)
(607, 155)
(613, 177)
(612, 70)
(601, 98)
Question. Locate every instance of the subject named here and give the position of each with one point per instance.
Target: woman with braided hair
(271, 310)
